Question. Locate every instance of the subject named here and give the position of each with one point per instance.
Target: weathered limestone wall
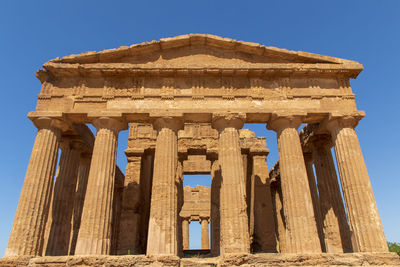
(196, 207)
(196, 202)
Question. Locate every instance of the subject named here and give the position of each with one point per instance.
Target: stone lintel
(271, 69)
(197, 164)
(201, 116)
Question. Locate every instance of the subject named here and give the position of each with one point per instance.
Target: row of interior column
(94, 237)
(95, 176)
(315, 222)
(205, 242)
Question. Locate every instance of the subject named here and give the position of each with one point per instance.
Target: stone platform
(262, 259)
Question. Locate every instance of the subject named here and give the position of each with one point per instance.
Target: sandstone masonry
(184, 101)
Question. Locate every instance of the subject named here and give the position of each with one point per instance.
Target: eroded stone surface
(261, 259)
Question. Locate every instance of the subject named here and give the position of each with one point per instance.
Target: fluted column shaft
(315, 198)
(280, 224)
(63, 200)
(233, 208)
(94, 236)
(215, 208)
(128, 238)
(361, 207)
(163, 223)
(336, 229)
(185, 233)
(145, 200)
(84, 167)
(205, 241)
(301, 229)
(116, 211)
(264, 225)
(26, 236)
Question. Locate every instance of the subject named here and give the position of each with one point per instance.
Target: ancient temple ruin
(184, 101)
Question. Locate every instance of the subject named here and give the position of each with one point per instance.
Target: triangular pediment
(197, 51)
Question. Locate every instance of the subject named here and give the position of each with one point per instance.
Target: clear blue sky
(33, 32)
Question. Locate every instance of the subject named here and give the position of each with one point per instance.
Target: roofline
(193, 39)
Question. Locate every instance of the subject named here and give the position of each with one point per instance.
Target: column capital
(204, 218)
(173, 123)
(186, 218)
(220, 121)
(48, 122)
(73, 142)
(86, 158)
(112, 124)
(212, 155)
(258, 152)
(280, 121)
(320, 141)
(132, 153)
(315, 141)
(308, 157)
(342, 120)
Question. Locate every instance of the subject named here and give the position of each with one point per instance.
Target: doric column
(264, 225)
(116, 210)
(336, 229)
(94, 236)
(362, 212)
(179, 183)
(185, 233)
(301, 230)
(128, 242)
(280, 224)
(146, 199)
(163, 223)
(205, 241)
(26, 236)
(84, 166)
(63, 198)
(315, 198)
(233, 208)
(215, 204)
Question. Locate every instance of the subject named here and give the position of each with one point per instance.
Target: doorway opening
(196, 212)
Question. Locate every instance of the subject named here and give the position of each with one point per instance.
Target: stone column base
(261, 259)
